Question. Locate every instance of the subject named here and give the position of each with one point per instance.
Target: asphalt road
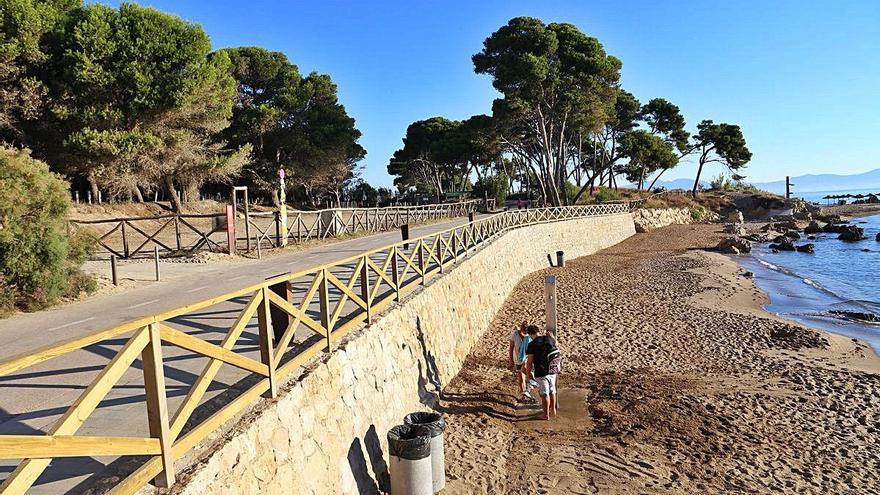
(34, 398)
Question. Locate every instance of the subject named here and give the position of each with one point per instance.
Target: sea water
(819, 196)
(838, 276)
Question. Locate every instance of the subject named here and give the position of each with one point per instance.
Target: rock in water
(783, 246)
(735, 216)
(756, 237)
(856, 315)
(878, 237)
(812, 228)
(734, 245)
(786, 224)
(806, 248)
(851, 233)
(834, 227)
(792, 234)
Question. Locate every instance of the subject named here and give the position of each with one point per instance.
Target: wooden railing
(317, 307)
(130, 236)
(187, 233)
(333, 222)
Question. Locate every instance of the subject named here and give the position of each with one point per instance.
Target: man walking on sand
(542, 364)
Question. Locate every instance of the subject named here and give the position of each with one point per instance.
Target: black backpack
(551, 358)
(554, 358)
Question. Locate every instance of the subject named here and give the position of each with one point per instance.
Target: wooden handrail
(168, 441)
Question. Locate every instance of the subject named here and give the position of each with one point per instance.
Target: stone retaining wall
(325, 434)
(647, 219)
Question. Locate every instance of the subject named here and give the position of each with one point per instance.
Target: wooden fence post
(113, 273)
(365, 290)
(247, 222)
(124, 240)
(324, 310)
(421, 248)
(177, 230)
(267, 347)
(157, 404)
(394, 276)
(439, 242)
(156, 261)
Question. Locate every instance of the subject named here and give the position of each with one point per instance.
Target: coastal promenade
(154, 387)
(32, 400)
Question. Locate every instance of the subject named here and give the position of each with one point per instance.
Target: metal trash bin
(435, 424)
(409, 449)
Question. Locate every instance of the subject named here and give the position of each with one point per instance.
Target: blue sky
(800, 77)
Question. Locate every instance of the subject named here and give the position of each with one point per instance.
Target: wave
(842, 301)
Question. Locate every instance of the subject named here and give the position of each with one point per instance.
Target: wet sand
(675, 381)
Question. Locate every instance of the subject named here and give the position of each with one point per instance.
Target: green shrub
(721, 183)
(571, 191)
(697, 212)
(495, 187)
(38, 262)
(653, 204)
(605, 194)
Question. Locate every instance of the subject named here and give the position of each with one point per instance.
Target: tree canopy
(292, 122)
(647, 154)
(132, 100)
(720, 143)
(439, 155)
(556, 82)
(563, 124)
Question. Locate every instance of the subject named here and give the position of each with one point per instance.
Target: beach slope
(675, 381)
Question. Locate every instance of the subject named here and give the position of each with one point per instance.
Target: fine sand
(675, 381)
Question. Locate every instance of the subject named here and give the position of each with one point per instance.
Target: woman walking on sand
(516, 356)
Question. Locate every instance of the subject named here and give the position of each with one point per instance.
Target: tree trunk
(93, 185)
(697, 180)
(138, 195)
(176, 205)
(587, 185)
(651, 187)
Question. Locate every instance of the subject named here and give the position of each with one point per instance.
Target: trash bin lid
(411, 442)
(433, 421)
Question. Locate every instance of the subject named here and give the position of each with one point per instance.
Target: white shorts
(546, 385)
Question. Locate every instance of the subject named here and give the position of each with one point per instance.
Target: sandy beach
(675, 381)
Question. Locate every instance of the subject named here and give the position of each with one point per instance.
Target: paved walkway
(32, 400)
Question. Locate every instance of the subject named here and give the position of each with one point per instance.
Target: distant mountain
(825, 182)
(802, 183)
